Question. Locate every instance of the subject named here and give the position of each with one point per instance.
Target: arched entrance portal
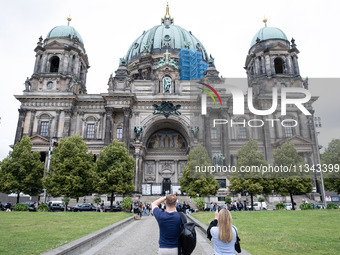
(163, 162)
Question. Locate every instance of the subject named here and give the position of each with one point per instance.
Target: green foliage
(306, 206)
(71, 169)
(332, 206)
(126, 203)
(97, 200)
(22, 170)
(37, 233)
(294, 182)
(43, 208)
(199, 202)
(201, 183)
(114, 170)
(20, 208)
(253, 183)
(261, 199)
(331, 156)
(228, 200)
(66, 201)
(285, 232)
(280, 206)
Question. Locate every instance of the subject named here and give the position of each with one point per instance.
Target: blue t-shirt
(169, 228)
(223, 248)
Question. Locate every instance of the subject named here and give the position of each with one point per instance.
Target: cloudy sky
(225, 28)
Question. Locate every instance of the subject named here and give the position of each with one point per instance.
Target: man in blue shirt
(169, 222)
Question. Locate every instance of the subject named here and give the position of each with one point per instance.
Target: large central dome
(166, 36)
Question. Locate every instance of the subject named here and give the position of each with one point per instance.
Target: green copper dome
(267, 33)
(161, 38)
(64, 31)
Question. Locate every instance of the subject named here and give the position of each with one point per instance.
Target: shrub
(228, 200)
(126, 203)
(332, 206)
(20, 207)
(261, 199)
(306, 206)
(43, 208)
(97, 200)
(199, 202)
(280, 206)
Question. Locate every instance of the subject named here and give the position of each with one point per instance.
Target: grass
(285, 232)
(35, 233)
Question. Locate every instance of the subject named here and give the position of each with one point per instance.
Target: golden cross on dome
(167, 55)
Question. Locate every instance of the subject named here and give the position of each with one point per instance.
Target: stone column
(43, 65)
(109, 125)
(76, 67)
(268, 66)
(55, 133)
(79, 124)
(289, 65)
(126, 126)
(268, 150)
(263, 67)
(296, 65)
(21, 120)
(30, 131)
(225, 138)
(257, 66)
(36, 65)
(206, 134)
(101, 126)
(67, 122)
(70, 62)
(61, 63)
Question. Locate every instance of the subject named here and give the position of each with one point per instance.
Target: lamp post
(315, 122)
(50, 150)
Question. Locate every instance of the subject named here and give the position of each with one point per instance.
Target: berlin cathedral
(154, 101)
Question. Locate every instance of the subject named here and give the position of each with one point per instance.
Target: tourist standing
(169, 222)
(223, 233)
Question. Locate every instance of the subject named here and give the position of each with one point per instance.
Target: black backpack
(187, 237)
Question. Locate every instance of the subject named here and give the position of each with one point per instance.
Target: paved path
(141, 238)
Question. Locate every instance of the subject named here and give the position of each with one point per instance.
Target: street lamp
(50, 151)
(315, 122)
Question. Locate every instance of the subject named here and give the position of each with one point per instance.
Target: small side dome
(66, 32)
(267, 33)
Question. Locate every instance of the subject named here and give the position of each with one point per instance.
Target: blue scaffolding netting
(191, 65)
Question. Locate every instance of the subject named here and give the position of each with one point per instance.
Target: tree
(331, 157)
(114, 170)
(291, 182)
(22, 170)
(253, 181)
(71, 169)
(198, 182)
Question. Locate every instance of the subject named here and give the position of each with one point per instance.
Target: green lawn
(35, 233)
(286, 232)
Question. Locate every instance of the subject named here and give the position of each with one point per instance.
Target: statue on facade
(138, 131)
(305, 83)
(194, 131)
(166, 85)
(27, 85)
(218, 159)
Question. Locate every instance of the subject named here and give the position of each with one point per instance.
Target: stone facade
(55, 104)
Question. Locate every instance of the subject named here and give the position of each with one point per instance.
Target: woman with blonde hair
(223, 233)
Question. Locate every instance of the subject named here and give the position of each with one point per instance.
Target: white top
(223, 248)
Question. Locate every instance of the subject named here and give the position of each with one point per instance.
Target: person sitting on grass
(223, 233)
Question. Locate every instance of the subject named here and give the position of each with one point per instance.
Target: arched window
(278, 65)
(54, 64)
